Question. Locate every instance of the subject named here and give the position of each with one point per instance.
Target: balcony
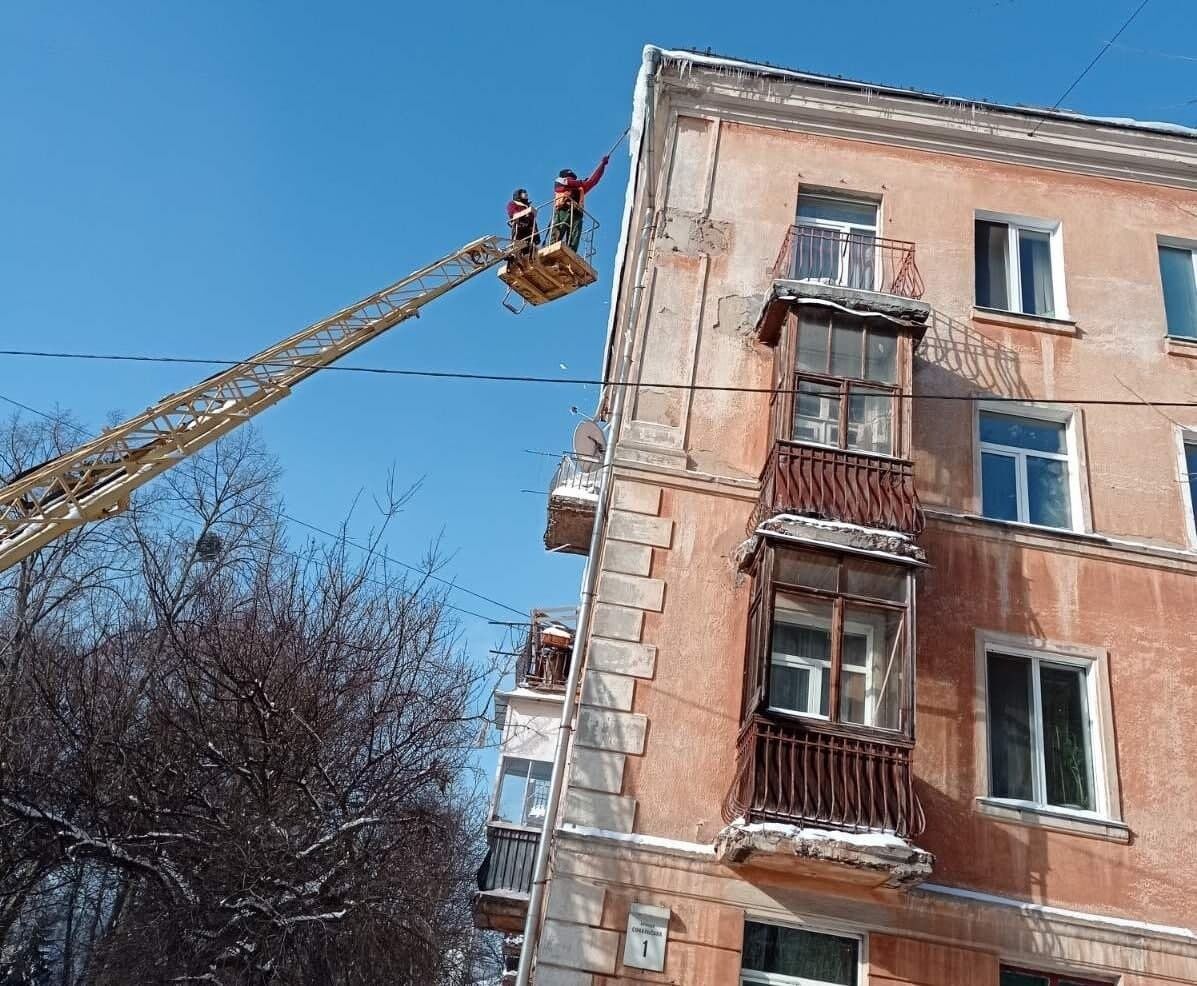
(573, 499)
(844, 802)
(543, 662)
(839, 485)
(853, 270)
(505, 877)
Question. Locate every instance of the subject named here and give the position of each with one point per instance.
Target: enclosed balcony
(573, 499)
(505, 877)
(823, 760)
(850, 267)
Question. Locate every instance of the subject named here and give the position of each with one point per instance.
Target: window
(780, 956)
(1023, 977)
(843, 621)
(1178, 271)
(1025, 473)
(837, 242)
(1040, 731)
(1019, 266)
(1190, 474)
(523, 791)
(846, 376)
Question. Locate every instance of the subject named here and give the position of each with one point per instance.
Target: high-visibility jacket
(572, 191)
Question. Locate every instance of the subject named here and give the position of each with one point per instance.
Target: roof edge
(708, 60)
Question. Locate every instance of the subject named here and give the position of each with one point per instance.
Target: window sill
(1055, 819)
(1017, 320)
(1181, 346)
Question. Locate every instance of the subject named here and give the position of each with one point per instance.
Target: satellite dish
(589, 445)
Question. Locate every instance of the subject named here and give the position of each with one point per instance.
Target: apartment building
(889, 674)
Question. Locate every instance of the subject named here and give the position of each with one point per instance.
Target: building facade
(891, 673)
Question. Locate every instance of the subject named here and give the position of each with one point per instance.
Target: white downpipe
(540, 870)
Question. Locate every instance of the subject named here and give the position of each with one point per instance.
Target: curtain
(992, 240)
(1035, 269)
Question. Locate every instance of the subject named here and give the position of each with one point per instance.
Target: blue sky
(203, 179)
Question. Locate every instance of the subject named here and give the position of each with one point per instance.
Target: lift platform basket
(546, 274)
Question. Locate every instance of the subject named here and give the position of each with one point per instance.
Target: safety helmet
(566, 173)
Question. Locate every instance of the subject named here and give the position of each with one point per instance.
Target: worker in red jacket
(569, 197)
(521, 217)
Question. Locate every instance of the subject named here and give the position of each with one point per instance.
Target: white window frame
(752, 977)
(1176, 244)
(1094, 662)
(844, 227)
(1068, 417)
(815, 668)
(1014, 223)
(1186, 438)
(504, 762)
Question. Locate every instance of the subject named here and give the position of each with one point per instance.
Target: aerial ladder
(96, 479)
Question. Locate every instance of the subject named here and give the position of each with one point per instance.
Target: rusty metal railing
(544, 656)
(849, 260)
(838, 484)
(810, 774)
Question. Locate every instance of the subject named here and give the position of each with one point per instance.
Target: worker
(521, 217)
(569, 197)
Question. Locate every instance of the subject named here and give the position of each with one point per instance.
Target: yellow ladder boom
(96, 479)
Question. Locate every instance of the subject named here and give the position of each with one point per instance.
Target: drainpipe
(540, 870)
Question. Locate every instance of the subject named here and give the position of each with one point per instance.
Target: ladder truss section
(97, 479)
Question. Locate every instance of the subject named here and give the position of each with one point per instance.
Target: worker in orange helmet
(521, 217)
(569, 196)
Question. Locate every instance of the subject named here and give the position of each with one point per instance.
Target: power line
(1096, 58)
(583, 381)
(424, 572)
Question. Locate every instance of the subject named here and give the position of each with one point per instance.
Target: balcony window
(1026, 472)
(523, 792)
(840, 242)
(1178, 272)
(1019, 265)
(1041, 750)
(845, 379)
(836, 647)
(781, 956)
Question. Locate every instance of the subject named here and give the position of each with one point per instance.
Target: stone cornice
(860, 112)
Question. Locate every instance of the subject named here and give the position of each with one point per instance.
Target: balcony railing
(809, 774)
(577, 477)
(544, 656)
(510, 855)
(838, 484)
(849, 260)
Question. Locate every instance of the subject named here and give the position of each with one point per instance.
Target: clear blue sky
(204, 178)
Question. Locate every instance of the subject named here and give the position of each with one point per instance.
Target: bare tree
(236, 761)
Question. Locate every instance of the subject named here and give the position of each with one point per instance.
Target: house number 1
(648, 933)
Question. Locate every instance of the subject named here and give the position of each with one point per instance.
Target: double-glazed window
(829, 639)
(1178, 271)
(845, 379)
(837, 242)
(1024, 977)
(1018, 266)
(779, 956)
(523, 791)
(1025, 470)
(1041, 747)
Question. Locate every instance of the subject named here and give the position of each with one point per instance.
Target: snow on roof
(707, 59)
